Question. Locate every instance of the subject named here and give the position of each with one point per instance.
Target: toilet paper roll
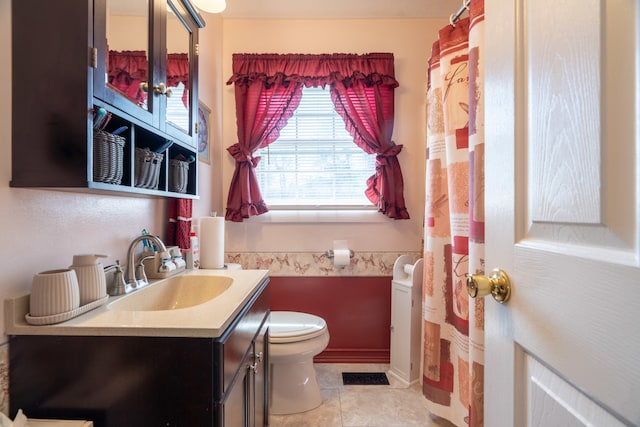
(341, 253)
(408, 268)
(212, 242)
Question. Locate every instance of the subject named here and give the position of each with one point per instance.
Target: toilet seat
(291, 326)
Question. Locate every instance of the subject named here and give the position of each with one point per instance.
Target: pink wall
(209, 92)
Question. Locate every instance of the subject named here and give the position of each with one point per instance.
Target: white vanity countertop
(207, 320)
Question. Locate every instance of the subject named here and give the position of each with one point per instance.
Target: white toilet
(294, 339)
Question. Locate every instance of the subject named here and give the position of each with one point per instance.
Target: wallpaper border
(318, 264)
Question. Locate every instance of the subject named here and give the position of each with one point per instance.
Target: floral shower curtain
(453, 380)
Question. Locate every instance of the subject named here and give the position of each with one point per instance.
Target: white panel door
(562, 212)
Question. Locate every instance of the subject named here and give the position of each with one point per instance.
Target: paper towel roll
(212, 242)
(341, 253)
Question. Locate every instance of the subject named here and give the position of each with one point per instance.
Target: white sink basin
(174, 293)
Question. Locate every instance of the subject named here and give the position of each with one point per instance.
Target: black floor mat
(364, 378)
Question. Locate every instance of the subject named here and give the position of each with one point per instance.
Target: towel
(179, 223)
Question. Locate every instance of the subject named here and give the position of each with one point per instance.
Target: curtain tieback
(242, 156)
(392, 151)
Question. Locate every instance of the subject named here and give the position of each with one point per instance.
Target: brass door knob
(497, 284)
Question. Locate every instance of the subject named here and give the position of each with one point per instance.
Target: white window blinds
(314, 164)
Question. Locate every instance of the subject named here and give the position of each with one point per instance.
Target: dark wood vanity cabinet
(137, 60)
(135, 381)
(246, 403)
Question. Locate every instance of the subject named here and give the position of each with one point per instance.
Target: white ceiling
(340, 9)
(318, 9)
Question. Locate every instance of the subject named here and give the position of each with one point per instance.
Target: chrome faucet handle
(141, 275)
(119, 285)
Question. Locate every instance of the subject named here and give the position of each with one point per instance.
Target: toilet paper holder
(329, 253)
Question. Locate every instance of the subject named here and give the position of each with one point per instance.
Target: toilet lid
(291, 326)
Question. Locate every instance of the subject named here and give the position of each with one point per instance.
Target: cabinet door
(261, 377)
(146, 62)
(178, 67)
(400, 352)
(124, 61)
(236, 403)
(246, 402)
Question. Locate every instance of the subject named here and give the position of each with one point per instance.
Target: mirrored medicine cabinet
(102, 70)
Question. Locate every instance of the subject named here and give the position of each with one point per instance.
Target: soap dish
(67, 315)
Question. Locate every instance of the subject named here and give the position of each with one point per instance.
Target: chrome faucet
(130, 273)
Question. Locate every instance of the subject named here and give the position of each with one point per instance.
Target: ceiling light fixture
(211, 6)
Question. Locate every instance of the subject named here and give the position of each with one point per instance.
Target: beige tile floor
(394, 405)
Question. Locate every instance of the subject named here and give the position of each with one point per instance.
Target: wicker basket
(178, 175)
(147, 168)
(108, 157)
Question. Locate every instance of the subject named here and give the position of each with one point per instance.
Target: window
(314, 164)
(177, 112)
(364, 86)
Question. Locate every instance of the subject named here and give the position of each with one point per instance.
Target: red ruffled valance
(128, 68)
(131, 62)
(178, 69)
(178, 72)
(313, 70)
